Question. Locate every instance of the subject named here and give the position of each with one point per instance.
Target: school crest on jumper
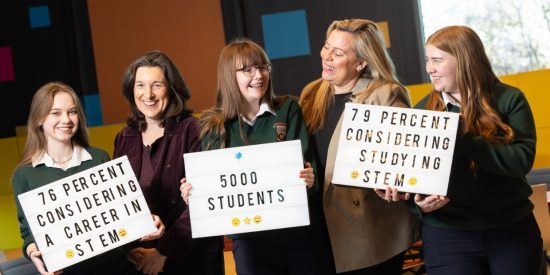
(280, 130)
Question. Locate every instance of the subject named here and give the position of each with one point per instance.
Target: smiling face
(341, 67)
(442, 68)
(253, 87)
(150, 93)
(61, 123)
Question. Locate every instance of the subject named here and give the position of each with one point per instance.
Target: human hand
(430, 203)
(185, 189)
(308, 175)
(157, 234)
(148, 260)
(391, 194)
(134, 256)
(36, 258)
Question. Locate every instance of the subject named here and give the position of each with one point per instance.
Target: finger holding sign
(391, 194)
(185, 189)
(430, 203)
(160, 230)
(398, 196)
(308, 175)
(151, 261)
(36, 258)
(384, 194)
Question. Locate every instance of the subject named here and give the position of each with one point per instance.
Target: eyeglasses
(250, 71)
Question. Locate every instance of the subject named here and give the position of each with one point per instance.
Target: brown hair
(177, 90)
(476, 83)
(237, 54)
(368, 45)
(41, 105)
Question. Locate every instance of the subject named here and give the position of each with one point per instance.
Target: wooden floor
(229, 263)
(228, 257)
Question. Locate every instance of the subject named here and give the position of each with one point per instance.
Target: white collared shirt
(79, 155)
(449, 99)
(264, 107)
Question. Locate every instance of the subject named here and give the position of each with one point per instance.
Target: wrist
(30, 253)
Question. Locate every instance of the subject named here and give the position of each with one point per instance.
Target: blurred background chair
(18, 266)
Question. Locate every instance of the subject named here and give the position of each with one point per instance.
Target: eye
(139, 85)
(73, 112)
(158, 85)
(55, 113)
(247, 69)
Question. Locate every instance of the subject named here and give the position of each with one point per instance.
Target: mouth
(65, 129)
(328, 68)
(256, 85)
(149, 103)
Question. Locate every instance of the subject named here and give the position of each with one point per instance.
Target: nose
(325, 55)
(65, 117)
(148, 92)
(430, 68)
(257, 72)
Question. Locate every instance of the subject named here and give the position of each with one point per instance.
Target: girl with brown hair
(485, 225)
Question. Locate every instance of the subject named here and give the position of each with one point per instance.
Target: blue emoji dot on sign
(238, 155)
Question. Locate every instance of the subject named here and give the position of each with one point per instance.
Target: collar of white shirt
(79, 155)
(264, 107)
(449, 99)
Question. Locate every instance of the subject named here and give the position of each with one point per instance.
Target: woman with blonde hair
(247, 112)
(368, 232)
(485, 225)
(57, 147)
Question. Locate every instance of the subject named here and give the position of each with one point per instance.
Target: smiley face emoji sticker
(412, 181)
(236, 222)
(122, 232)
(354, 174)
(69, 253)
(257, 219)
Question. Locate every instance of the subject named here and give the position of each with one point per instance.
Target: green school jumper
(26, 178)
(498, 195)
(287, 124)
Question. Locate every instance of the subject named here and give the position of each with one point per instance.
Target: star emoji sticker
(247, 220)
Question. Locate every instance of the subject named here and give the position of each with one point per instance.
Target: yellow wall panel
(103, 137)
(542, 159)
(535, 86)
(385, 30)
(8, 162)
(510, 79)
(10, 228)
(419, 91)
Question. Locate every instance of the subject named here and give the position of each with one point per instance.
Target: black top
(322, 138)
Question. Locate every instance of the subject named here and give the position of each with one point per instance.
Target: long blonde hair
(235, 55)
(476, 83)
(368, 45)
(41, 105)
